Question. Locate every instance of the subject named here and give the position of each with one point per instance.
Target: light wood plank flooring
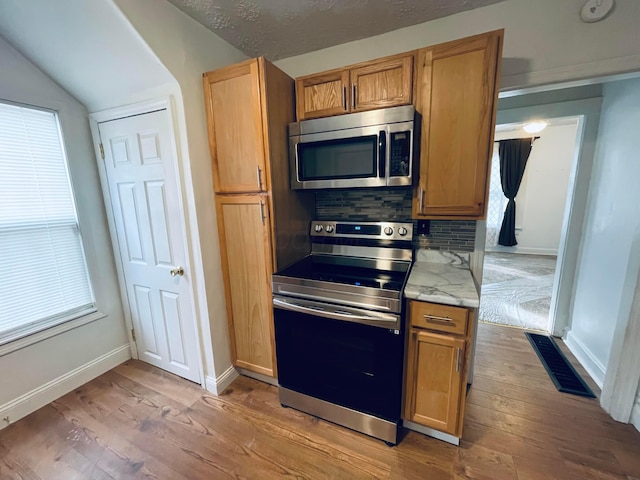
(139, 422)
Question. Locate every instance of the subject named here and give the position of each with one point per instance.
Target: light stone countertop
(442, 277)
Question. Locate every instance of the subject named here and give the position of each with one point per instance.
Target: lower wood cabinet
(437, 366)
(243, 222)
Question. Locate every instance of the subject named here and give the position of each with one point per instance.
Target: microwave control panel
(400, 153)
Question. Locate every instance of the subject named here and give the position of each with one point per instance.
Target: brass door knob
(177, 271)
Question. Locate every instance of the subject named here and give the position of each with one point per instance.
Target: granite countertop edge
(449, 283)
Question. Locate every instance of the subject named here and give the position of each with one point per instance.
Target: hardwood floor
(139, 422)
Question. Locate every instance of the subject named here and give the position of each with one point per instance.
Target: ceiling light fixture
(534, 127)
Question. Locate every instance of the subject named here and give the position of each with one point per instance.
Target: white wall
(27, 370)
(545, 41)
(188, 52)
(107, 63)
(540, 203)
(87, 47)
(609, 261)
(635, 415)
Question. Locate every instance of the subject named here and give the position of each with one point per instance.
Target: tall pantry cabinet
(262, 224)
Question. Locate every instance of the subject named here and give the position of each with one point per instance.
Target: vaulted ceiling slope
(284, 28)
(87, 47)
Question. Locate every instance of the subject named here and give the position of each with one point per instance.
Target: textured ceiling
(284, 28)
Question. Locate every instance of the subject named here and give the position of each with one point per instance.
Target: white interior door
(140, 164)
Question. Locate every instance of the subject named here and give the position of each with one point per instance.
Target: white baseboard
(590, 363)
(445, 437)
(56, 388)
(523, 250)
(217, 385)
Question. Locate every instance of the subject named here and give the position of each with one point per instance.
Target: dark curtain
(513, 159)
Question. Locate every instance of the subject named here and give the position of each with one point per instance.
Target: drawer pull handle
(433, 318)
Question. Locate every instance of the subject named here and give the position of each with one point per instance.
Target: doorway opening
(518, 281)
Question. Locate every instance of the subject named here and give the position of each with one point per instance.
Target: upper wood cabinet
(322, 95)
(386, 82)
(380, 84)
(236, 141)
(456, 94)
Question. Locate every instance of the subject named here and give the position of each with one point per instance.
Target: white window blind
(44, 280)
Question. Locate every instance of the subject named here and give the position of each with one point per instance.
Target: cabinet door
(382, 84)
(456, 95)
(323, 94)
(234, 116)
(435, 377)
(243, 222)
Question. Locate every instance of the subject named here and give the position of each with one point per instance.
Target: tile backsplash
(364, 204)
(393, 204)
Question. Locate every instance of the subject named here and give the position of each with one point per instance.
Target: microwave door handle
(382, 153)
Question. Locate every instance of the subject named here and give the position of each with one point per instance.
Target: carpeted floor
(516, 289)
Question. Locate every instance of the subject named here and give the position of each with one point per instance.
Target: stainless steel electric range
(339, 325)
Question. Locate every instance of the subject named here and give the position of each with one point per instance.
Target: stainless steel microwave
(368, 149)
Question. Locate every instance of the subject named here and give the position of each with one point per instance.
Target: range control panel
(373, 230)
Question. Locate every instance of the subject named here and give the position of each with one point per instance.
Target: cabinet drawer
(441, 318)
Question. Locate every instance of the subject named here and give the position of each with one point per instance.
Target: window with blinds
(43, 278)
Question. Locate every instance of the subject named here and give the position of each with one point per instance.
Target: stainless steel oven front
(339, 328)
(342, 364)
(368, 149)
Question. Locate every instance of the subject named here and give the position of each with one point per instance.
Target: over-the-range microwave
(368, 149)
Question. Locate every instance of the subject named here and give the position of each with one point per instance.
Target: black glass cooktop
(322, 269)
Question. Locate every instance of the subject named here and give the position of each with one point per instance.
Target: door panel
(159, 228)
(323, 95)
(172, 323)
(140, 166)
(146, 322)
(129, 214)
(234, 112)
(457, 96)
(382, 84)
(437, 362)
(246, 257)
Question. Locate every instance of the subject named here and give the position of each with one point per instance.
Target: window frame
(38, 330)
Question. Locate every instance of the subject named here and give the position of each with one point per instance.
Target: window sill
(37, 337)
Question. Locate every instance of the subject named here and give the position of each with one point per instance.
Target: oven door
(354, 157)
(346, 356)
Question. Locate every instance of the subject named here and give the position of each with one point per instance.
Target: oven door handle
(379, 320)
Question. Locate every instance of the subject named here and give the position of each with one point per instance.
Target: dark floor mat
(564, 376)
